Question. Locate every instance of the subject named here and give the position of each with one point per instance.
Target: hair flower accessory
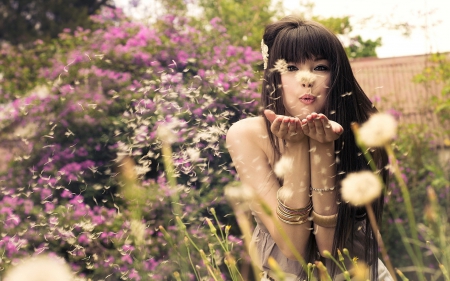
(265, 53)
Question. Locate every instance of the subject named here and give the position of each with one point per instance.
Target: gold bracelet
(324, 221)
(290, 217)
(293, 216)
(294, 222)
(290, 210)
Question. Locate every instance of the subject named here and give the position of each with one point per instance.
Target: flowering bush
(422, 171)
(96, 96)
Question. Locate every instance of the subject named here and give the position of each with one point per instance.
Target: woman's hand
(285, 127)
(318, 127)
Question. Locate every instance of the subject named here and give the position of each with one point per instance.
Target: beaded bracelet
(324, 221)
(321, 189)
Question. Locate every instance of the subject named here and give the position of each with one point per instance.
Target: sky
(430, 20)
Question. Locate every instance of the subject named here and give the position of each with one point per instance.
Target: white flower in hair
(379, 130)
(265, 53)
(361, 188)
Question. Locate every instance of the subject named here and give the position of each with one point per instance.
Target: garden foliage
(74, 109)
(86, 178)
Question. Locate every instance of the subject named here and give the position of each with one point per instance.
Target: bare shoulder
(248, 140)
(251, 129)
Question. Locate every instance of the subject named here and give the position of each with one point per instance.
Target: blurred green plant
(24, 21)
(438, 71)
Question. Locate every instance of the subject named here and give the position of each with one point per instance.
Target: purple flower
(134, 275)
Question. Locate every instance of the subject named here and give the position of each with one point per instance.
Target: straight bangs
(303, 43)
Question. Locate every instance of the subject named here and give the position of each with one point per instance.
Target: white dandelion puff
(40, 268)
(165, 134)
(379, 130)
(281, 66)
(305, 77)
(193, 154)
(283, 166)
(361, 188)
(285, 194)
(316, 159)
(239, 193)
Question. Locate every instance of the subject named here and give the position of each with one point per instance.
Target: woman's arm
(248, 144)
(322, 134)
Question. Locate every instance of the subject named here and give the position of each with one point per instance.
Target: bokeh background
(113, 117)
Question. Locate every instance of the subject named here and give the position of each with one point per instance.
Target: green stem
(207, 264)
(183, 228)
(438, 231)
(197, 275)
(168, 164)
(376, 232)
(281, 231)
(330, 256)
(213, 211)
(409, 208)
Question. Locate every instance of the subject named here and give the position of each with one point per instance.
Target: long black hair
(297, 40)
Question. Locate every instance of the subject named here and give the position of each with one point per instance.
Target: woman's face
(305, 87)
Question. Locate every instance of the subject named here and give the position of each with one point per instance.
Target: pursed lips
(307, 99)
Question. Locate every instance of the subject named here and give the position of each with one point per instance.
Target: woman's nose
(307, 85)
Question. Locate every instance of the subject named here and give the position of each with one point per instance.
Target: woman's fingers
(311, 124)
(284, 126)
(287, 128)
(292, 131)
(305, 126)
(270, 115)
(319, 126)
(276, 124)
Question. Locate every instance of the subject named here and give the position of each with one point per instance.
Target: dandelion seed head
(193, 154)
(166, 134)
(361, 188)
(379, 130)
(316, 159)
(302, 187)
(238, 193)
(283, 166)
(40, 268)
(305, 77)
(281, 66)
(285, 194)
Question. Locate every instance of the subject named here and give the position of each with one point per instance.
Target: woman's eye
(292, 68)
(321, 68)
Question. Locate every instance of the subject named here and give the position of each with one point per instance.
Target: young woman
(310, 98)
